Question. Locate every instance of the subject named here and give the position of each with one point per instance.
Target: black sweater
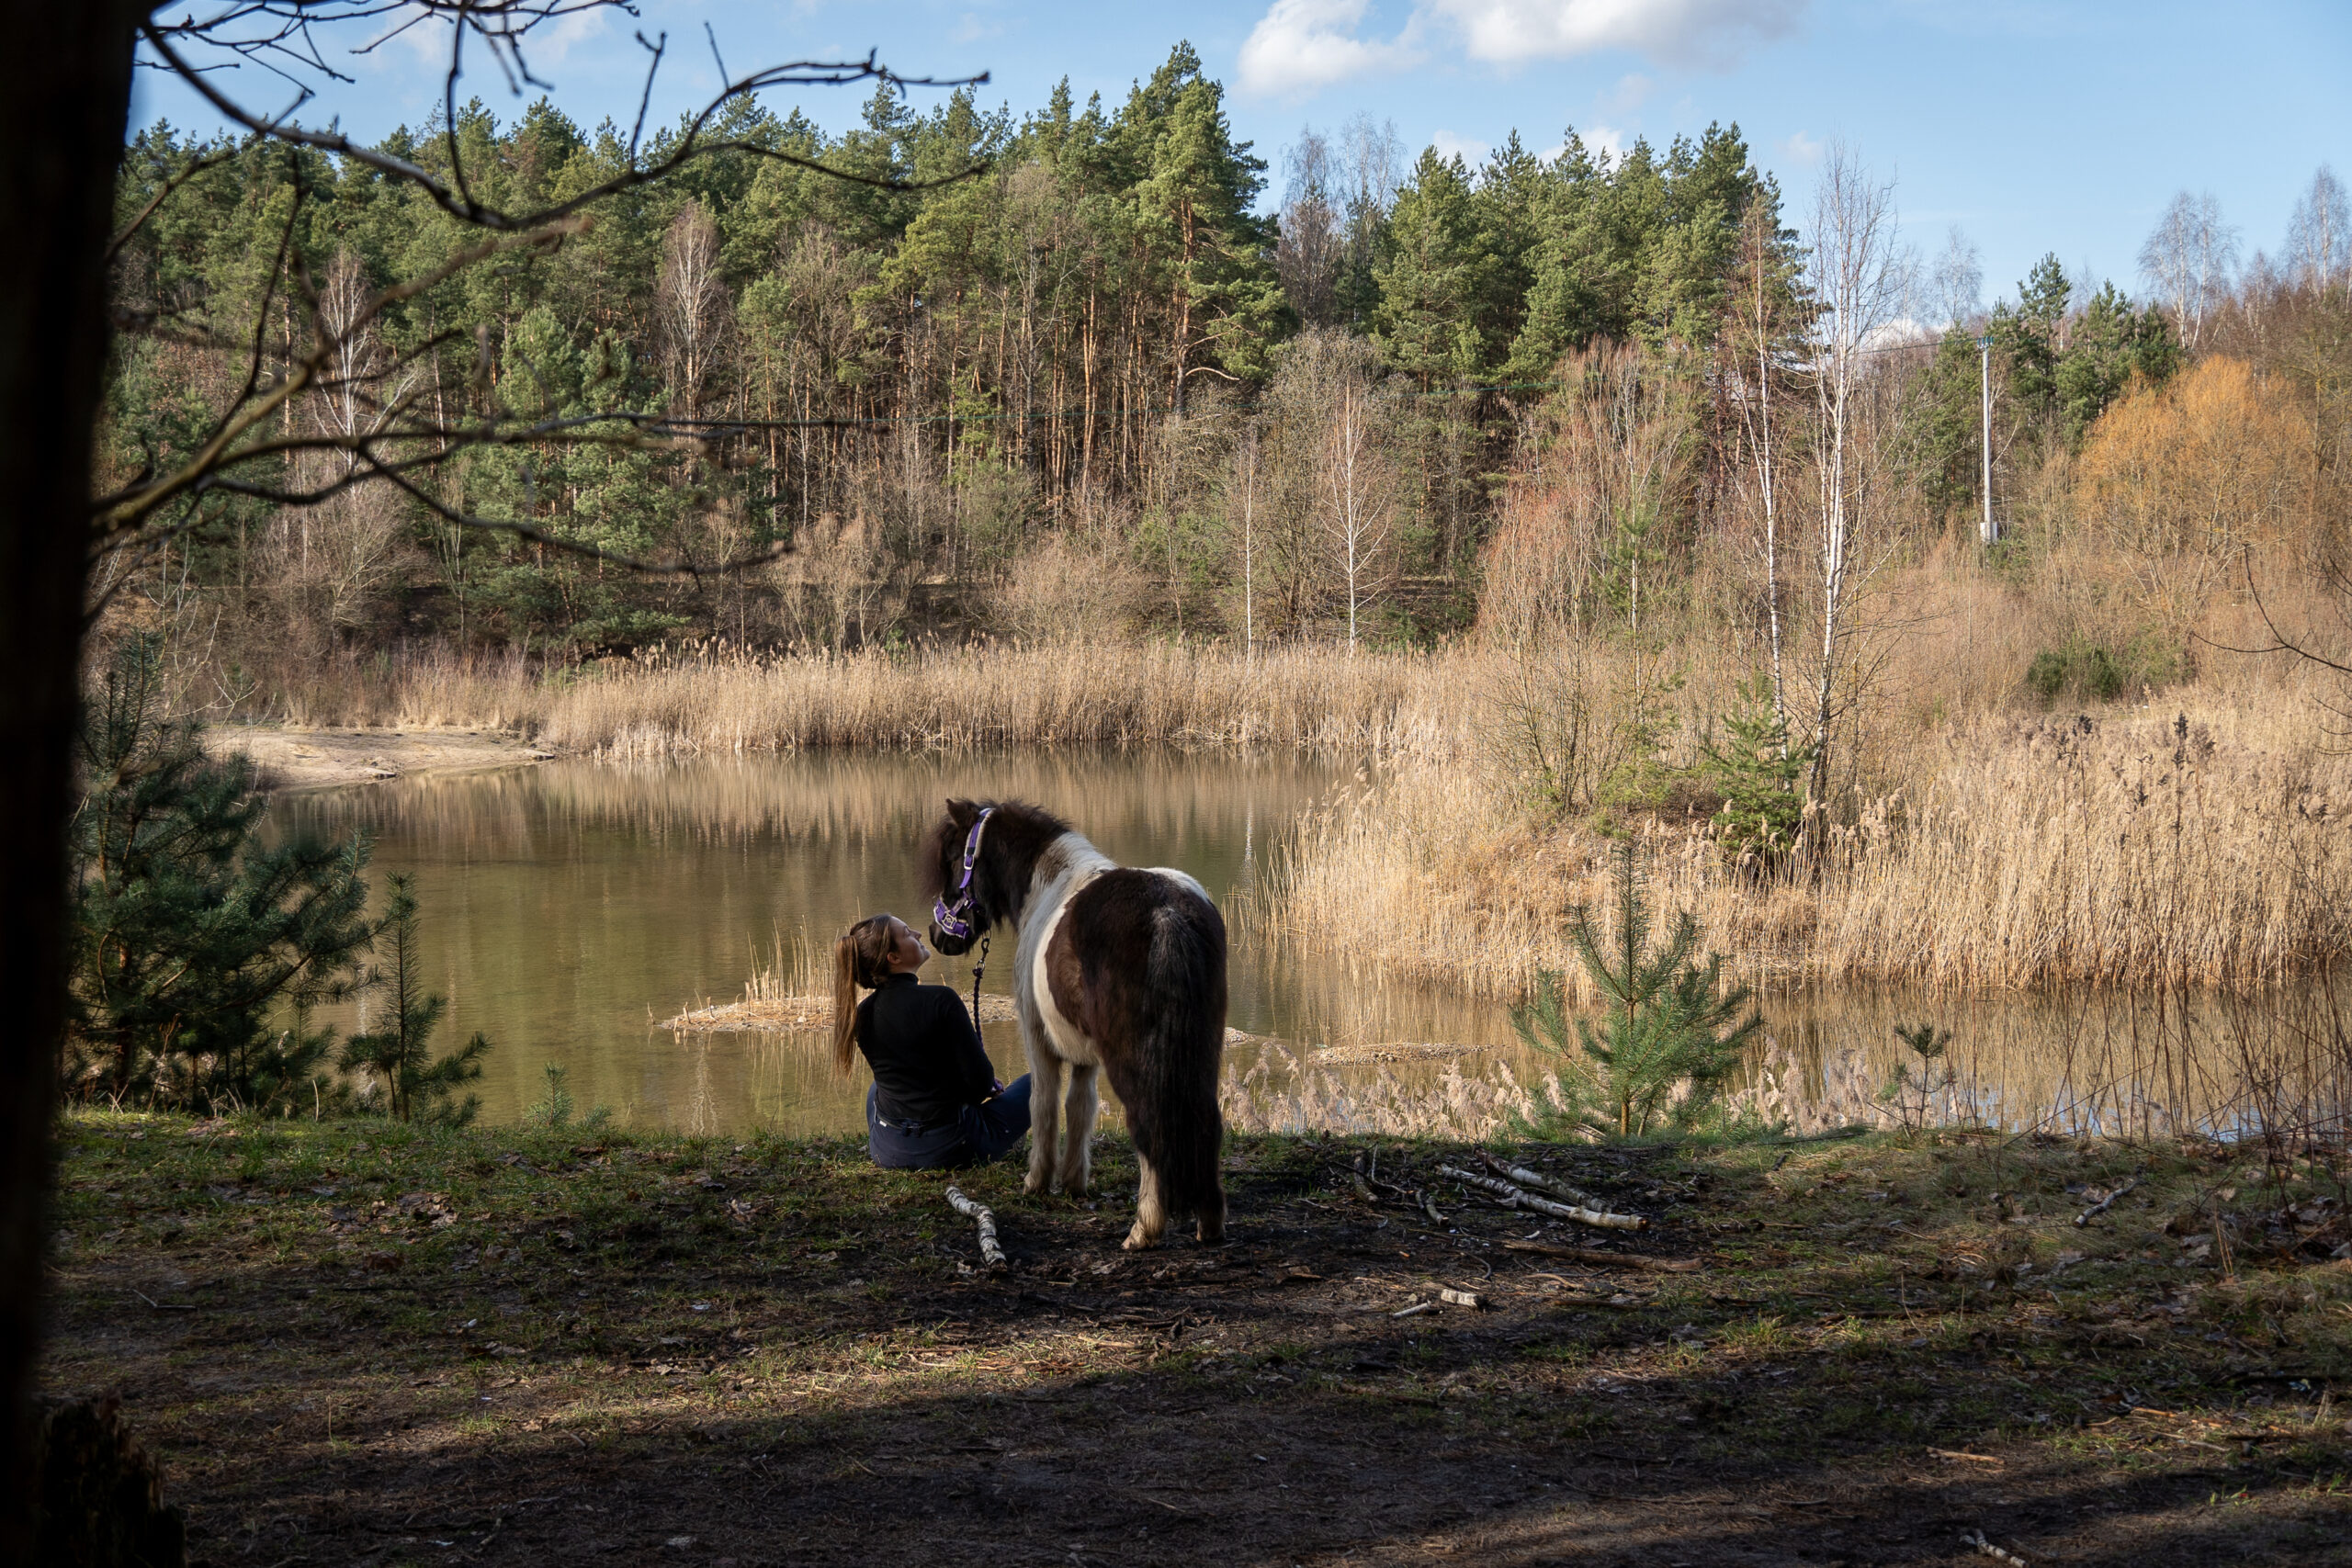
(925, 1053)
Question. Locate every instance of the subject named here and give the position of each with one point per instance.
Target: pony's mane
(1030, 827)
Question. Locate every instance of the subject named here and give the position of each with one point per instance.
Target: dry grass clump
(1281, 1093)
(2212, 848)
(699, 703)
(719, 699)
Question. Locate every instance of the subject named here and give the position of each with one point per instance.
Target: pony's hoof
(1137, 1241)
(1034, 1183)
(1210, 1236)
(1076, 1189)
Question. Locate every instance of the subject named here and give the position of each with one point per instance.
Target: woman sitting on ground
(935, 1103)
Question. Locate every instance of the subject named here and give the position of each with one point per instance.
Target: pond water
(573, 907)
(570, 909)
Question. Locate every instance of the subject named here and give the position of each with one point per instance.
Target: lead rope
(978, 969)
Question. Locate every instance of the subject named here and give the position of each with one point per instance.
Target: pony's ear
(961, 812)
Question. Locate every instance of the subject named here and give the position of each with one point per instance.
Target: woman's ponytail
(858, 959)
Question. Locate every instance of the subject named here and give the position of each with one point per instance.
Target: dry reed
(2212, 849)
(1314, 699)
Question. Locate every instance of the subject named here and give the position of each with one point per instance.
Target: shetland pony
(1120, 971)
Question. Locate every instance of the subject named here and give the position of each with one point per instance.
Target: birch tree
(1359, 494)
(691, 303)
(1762, 335)
(2319, 237)
(1859, 277)
(2188, 260)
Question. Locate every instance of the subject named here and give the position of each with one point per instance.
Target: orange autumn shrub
(2214, 460)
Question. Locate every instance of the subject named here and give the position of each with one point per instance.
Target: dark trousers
(979, 1134)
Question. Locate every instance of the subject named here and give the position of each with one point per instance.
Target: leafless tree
(1857, 276)
(1359, 495)
(1761, 333)
(691, 307)
(1307, 254)
(64, 123)
(1371, 156)
(1959, 279)
(1244, 478)
(2319, 237)
(2188, 260)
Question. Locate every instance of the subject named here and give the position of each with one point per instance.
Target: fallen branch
(2105, 1203)
(1601, 1259)
(1516, 1197)
(1526, 1178)
(1452, 1297)
(1428, 1207)
(990, 1253)
(1976, 1539)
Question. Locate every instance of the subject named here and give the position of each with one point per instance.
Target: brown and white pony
(1120, 971)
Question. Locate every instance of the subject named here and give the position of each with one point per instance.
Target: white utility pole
(1985, 384)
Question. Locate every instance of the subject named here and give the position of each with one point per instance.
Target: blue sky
(2061, 125)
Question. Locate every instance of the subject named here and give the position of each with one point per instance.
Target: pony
(1121, 970)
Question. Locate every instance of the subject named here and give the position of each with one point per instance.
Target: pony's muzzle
(947, 943)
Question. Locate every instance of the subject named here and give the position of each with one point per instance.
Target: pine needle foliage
(1759, 773)
(198, 951)
(399, 1055)
(1671, 1035)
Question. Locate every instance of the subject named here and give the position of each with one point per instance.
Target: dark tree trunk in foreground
(64, 96)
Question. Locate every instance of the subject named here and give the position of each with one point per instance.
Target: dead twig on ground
(990, 1253)
(2105, 1203)
(1518, 1198)
(1976, 1539)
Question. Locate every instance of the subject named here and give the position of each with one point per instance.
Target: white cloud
(1632, 90)
(1676, 32)
(1802, 148)
(1604, 141)
(1904, 331)
(1471, 151)
(1301, 45)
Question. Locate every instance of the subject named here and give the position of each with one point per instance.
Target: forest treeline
(1065, 380)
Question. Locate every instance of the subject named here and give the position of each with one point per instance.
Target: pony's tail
(844, 999)
(1175, 1120)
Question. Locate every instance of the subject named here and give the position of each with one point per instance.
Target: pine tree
(2109, 346)
(1671, 1035)
(190, 937)
(401, 1053)
(1759, 775)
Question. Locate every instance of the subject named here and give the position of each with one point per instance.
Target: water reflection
(572, 907)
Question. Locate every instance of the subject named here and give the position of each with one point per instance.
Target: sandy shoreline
(291, 758)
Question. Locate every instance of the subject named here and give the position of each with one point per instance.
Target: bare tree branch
(460, 202)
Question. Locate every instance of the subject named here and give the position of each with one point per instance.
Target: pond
(572, 908)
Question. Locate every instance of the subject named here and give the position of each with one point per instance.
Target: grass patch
(352, 1341)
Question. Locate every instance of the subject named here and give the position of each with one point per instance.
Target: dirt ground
(306, 759)
(372, 1345)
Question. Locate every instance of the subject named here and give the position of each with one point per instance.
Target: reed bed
(703, 703)
(2211, 847)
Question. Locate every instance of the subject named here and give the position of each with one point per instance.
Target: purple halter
(957, 919)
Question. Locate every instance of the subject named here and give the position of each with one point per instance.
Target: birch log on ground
(2105, 1203)
(1518, 1198)
(1552, 1184)
(990, 1253)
